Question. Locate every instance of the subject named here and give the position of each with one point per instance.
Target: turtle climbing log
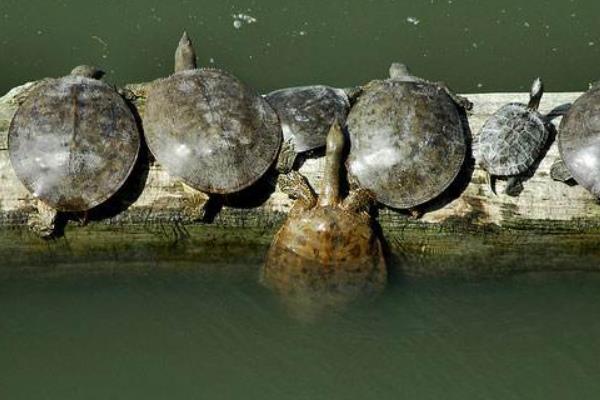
(327, 246)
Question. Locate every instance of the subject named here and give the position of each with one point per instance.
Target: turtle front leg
(287, 157)
(295, 185)
(43, 223)
(359, 200)
(461, 101)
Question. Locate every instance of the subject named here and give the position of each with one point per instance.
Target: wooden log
(551, 225)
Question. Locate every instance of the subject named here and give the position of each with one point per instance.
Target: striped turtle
(512, 140)
(408, 142)
(306, 114)
(208, 128)
(73, 143)
(327, 247)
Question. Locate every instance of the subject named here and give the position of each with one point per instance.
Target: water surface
(474, 45)
(217, 334)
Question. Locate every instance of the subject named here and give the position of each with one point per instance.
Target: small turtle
(407, 138)
(208, 128)
(306, 114)
(326, 247)
(579, 140)
(73, 143)
(512, 140)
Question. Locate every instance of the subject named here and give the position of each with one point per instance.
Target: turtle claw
(415, 214)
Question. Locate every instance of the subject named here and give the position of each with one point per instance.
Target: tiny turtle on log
(306, 114)
(327, 248)
(73, 143)
(512, 140)
(408, 141)
(209, 129)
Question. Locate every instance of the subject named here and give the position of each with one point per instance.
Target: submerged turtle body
(73, 141)
(579, 140)
(327, 247)
(407, 139)
(209, 129)
(306, 113)
(513, 138)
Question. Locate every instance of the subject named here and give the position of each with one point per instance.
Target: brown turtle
(327, 247)
(208, 128)
(72, 143)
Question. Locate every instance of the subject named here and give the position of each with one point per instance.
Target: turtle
(306, 114)
(579, 140)
(73, 143)
(408, 140)
(327, 247)
(512, 140)
(208, 128)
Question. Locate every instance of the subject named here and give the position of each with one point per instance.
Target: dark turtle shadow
(460, 183)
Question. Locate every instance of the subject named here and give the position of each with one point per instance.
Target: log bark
(467, 230)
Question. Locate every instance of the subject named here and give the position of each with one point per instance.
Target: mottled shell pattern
(327, 245)
(306, 113)
(407, 141)
(579, 140)
(512, 139)
(73, 142)
(211, 130)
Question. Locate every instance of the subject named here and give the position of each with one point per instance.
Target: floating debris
(240, 19)
(413, 20)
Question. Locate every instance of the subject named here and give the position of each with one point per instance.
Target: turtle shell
(306, 113)
(579, 140)
(407, 142)
(325, 249)
(511, 140)
(211, 130)
(73, 142)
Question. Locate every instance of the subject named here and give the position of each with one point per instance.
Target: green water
(214, 333)
(473, 45)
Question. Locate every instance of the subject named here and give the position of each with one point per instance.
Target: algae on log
(551, 225)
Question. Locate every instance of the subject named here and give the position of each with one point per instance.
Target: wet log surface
(468, 230)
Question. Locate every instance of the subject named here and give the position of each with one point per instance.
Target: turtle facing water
(407, 138)
(512, 140)
(327, 247)
(306, 114)
(72, 142)
(208, 128)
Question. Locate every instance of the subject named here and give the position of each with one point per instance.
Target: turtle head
(185, 56)
(535, 96)
(400, 71)
(330, 186)
(88, 71)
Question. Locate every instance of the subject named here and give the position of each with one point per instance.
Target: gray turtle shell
(579, 140)
(511, 140)
(73, 142)
(210, 130)
(407, 142)
(306, 113)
